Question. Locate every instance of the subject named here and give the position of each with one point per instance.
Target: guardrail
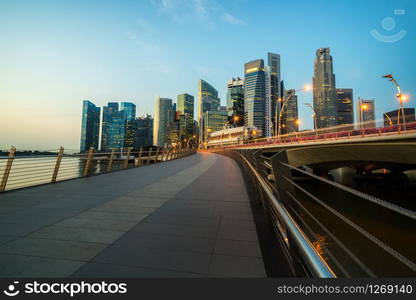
(335, 232)
(23, 171)
(340, 132)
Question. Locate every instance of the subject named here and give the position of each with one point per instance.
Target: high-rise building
(162, 119)
(144, 134)
(90, 126)
(207, 101)
(324, 94)
(290, 114)
(235, 100)
(131, 124)
(345, 109)
(366, 113)
(185, 104)
(273, 92)
(113, 127)
(390, 118)
(254, 94)
(214, 121)
(185, 108)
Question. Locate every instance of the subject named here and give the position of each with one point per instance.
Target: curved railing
(18, 171)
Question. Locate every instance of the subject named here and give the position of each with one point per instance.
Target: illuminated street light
(402, 98)
(298, 122)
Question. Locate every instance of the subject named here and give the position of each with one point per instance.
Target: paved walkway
(189, 217)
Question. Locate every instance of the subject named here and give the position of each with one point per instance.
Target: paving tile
(118, 271)
(237, 266)
(69, 250)
(92, 235)
(237, 234)
(114, 215)
(237, 248)
(118, 225)
(14, 229)
(196, 231)
(140, 240)
(182, 261)
(176, 218)
(6, 238)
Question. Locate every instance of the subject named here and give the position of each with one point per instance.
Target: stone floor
(189, 217)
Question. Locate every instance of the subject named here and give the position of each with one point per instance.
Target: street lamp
(363, 108)
(284, 101)
(313, 116)
(390, 122)
(402, 98)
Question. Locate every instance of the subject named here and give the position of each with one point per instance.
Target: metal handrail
(311, 257)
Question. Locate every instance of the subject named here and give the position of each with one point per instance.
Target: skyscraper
(162, 118)
(324, 94)
(235, 100)
(214, 121)
(185, 108)
(254, 94)
(290, 113)
(366, 113)
(272, 92)
(207, 101)
(90, 126)
(144, 133)
(185, 104)
(113, 127)
(131, 124)
(345, 110)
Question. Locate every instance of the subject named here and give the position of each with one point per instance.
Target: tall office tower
(254, 94)
(144, 134)
(390, 118)
(131, 124)
(185, 104)
(90, 126)
(366, 113)
(162, 119)
(214, 121)
(324, 94)
(273, 92)
(207, 101)
(235, 100)
(185, 107)
(345, 109)
(290, 113)
(113, 127)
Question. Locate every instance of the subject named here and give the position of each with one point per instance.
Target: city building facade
(90, 126)
(324, 93)
(163, 117)
(235, 100)
(345, 106)
(366, 113)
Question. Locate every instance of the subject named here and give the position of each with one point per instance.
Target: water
(30, 171)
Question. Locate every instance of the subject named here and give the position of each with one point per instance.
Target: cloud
(230, 19)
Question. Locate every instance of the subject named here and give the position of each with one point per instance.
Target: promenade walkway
(189, 217)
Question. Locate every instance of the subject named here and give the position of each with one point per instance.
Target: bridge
(252, 210)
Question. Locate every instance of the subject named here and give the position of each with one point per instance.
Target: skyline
(133, 52)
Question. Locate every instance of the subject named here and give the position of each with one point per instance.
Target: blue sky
(54, 54)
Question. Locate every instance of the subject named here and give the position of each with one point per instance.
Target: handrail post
(126, 162)
(169, 156)
(88, 163)
(139, 158)
(163, 155)
(7, 169)
(57, 164)
(149, 153)
(110, 163)
(156, 155)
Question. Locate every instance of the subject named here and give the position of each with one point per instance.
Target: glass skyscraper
(144, 134)
(116, 132)
(235, 100)
(185, 104)
(185, 108)
(214, 121)
(366, 113)
(290, 113)
(273, 92)
(90, 126)
(254, 94)
(162, 119)
(345, 110)
(324, 94)
(207, 101)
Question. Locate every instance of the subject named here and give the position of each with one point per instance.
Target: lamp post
(284, 101)
(363, 107)
(402, 98)
(314, 117)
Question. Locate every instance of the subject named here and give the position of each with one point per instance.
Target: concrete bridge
(190, 217)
